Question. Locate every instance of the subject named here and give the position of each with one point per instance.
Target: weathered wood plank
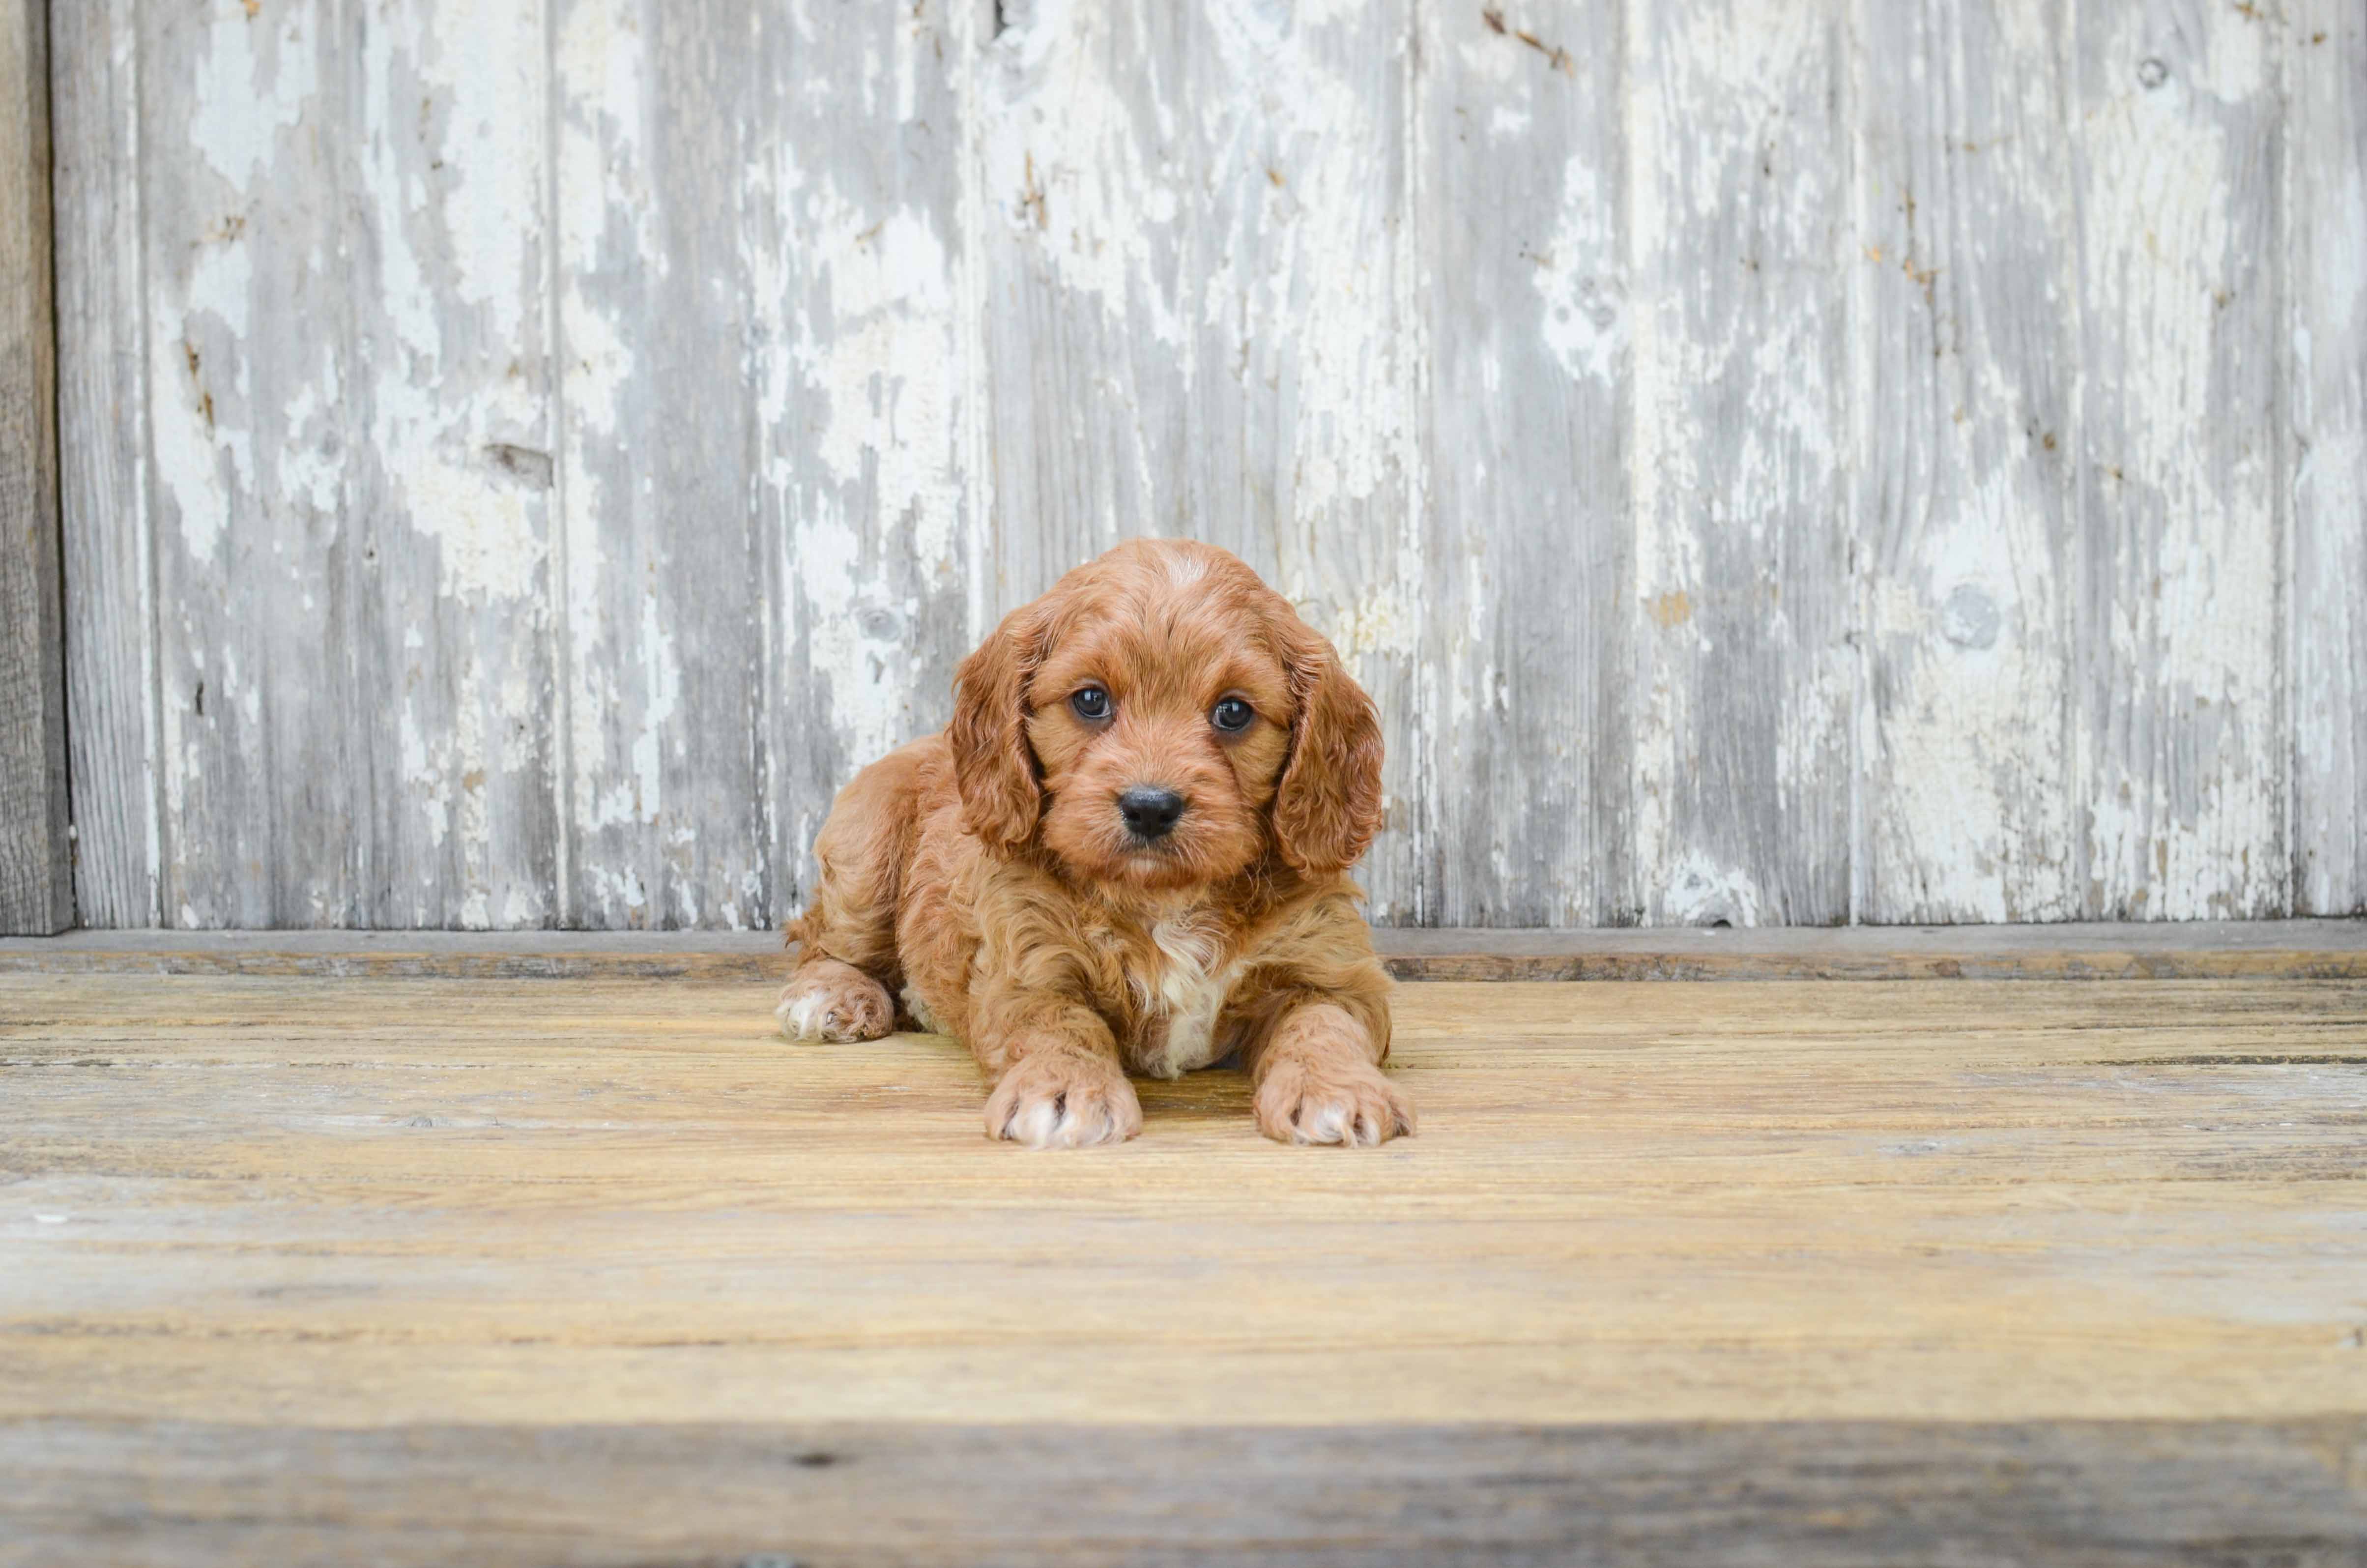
(1819, 1495)
(661, 691)
(104, 468)
(36, 856)
(1526, 592)
(770, 514)
(1744, 675)
(1559, 381)
(2323, 209)
(858, 252)
(363, 1204)
(446, 499)
(2198, 949)
(258, 689)
(345, 293)
(1968, 295)
(2180, 753)
(1200, 320)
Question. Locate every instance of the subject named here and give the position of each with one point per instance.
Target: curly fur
(986, 877)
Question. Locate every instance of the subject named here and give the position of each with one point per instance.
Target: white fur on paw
(820, 1013)
(1355, 1108)
(1337, 1121)
(1057, 1106)
(1050, 1124)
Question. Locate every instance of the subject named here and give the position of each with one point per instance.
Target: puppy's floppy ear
(1328, 806)
(993, 765)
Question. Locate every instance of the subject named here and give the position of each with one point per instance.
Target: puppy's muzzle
(1151, 813)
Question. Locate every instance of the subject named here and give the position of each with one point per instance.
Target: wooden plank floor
(599, 1271)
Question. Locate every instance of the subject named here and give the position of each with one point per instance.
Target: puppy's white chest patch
(1188, 997)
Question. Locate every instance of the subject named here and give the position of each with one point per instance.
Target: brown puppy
(1129, 850)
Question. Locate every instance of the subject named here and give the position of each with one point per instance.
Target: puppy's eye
(1231, 715)
(1089, 703)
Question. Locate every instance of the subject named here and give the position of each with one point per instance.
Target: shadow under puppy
(1128, 850)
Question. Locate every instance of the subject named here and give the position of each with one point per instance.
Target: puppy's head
(1161, 719)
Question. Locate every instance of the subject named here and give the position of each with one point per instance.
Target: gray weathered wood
(2185, 950)
(1966, 298)
(2180, 757)
(1527, 588)
(2324, 213)
(105, 463)
(1744, 682)
(768, 494)
(1819, 1495)
(36, 856)
(1198, 318)
(660, 688)
(1771, 464)
(857, 237)
(344, 298)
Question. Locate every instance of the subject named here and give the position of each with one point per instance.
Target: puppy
(1128, 850)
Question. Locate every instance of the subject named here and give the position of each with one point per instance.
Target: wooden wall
(1774, 460)
(36, 853)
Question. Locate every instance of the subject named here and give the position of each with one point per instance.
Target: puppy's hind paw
(828, 1000)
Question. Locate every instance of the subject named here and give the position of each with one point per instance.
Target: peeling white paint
(1577, 276)
(246, 98)
(1699, 891)
(2197, 588)
(1222, 262)
(1070, 164)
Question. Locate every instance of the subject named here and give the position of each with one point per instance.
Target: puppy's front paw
(1331, 1102)
(834, 1000)
(1063, 1100)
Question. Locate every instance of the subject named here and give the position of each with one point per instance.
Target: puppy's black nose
(1149, 814)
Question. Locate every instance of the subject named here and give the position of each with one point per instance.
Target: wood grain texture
(1526, 592)
(105, 464)
(662, 689)
(1965, 537)
(557, 446)
(861, 259)
(280, 1258)
(1744, 676)
(1819, 1495)
(2179, 767)
(344, 372)
(2323, 221)
(2186, 950)
(36, 856)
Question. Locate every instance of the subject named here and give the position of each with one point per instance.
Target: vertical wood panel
(341, 214)
(768, 515)
(1200, 319)
(104, 464)
(2180, 752)
(2325, 250)
(449, 463)
(1966, 299)
(245, 306)
(1529, 568)
(865, 366)
(663, 564)
(36, 864)
(1738, 197)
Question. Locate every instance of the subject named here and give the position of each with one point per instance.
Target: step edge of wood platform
(2289, 950)
(1804, 1491)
